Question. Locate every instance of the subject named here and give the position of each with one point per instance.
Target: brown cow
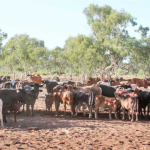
(80, 84)
(126, 82)
(49, 101)
(107, 102)
(35, 78)
(64, 94)
(67, 97)
(129, 101)
(91, 80)
(141, 82)
(115, 83)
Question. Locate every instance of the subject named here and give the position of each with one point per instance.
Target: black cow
(109, 91)
(144, 100)
(31, 96)
(6, 78)
(66, 82)
(10, 98)
(84, 99)
(49, 85)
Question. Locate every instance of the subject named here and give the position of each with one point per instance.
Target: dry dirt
(45, 132)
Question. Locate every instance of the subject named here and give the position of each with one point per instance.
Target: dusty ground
(72, 133)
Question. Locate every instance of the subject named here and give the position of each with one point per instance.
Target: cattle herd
(116, 95)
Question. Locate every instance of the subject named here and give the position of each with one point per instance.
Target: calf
(1, 115)
(129, 103)
(106, 102)
(15, 108)
(67, 97)
(49, 101)
(57, 91)
(84, 99)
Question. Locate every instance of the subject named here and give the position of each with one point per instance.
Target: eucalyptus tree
(109, 29)
(58, 58)
(140, 56)
(23, 53)
(2, 37)
(78, 51)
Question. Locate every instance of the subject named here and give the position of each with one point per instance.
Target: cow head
(146, 83)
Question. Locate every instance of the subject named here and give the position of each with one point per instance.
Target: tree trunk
(14, 75)
(21, 76)
(25, 75)
(70, 72)
(83, 78)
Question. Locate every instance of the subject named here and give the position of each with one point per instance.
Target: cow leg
(137, 109)
(51, 108)
(48, 108)
(23, 108)
(4, 115)
(57, 107)
(90, 111)
(64, 108)
(4, 118)
(132, 111)
(1, 116)
(77, 108)
(84, 112)
(15, 116)
(32, 107)
(96, 109)
(129, 115)
(110, 114)
(144, 111)
(27, 109)
(72, 108)
(123, 113)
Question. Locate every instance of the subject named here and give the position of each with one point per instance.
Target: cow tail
(91, 99)
(137, 105)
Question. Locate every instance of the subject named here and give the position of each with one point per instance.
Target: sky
(54, 21)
